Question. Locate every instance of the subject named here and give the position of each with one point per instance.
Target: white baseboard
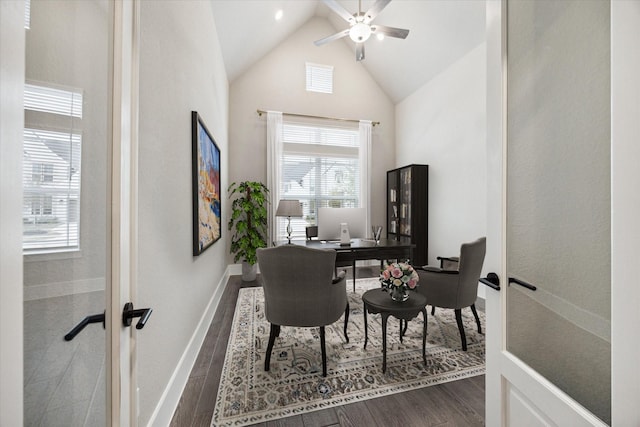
(58, 289)
(170, 398)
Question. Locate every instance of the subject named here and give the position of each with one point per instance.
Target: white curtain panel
(365, 169)
(274, 154)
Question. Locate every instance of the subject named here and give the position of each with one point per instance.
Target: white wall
(277, 82)
(181, 70)
(443, 124)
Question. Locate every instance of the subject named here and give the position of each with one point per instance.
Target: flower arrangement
(399, 276)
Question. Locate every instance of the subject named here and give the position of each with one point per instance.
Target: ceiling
(441, 32)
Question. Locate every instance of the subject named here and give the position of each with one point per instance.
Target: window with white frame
(51, 171)
(320, 167)
(319, 78)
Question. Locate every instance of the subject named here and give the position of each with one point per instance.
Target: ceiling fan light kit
(361, 28)
(360, 32)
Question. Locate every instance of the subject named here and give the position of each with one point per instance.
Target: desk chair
(312, 233)
(300, 290)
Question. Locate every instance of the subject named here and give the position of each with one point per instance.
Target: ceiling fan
(361, 27)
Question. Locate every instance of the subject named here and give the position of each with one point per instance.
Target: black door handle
(492, 280)
(94, 318)
(129, 313)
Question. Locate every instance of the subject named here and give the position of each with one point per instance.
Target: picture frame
(207, 209)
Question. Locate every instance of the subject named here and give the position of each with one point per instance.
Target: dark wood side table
(378, 301)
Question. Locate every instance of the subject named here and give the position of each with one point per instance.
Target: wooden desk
(361, 249)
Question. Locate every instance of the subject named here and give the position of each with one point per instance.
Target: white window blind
(52, 100)
(319, 78)
(320, 167)
(51, 174)
(27, 14)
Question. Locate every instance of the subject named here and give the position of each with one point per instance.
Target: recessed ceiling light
(380, 36)
(279, 14)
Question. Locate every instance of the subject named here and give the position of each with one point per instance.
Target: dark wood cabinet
(408, 207)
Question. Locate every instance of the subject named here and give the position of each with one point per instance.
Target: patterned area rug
(294, 385)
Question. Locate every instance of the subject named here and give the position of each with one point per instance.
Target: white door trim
(625, 211)
(12, 68)
(124, 212)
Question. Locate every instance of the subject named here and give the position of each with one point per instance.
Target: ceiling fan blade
(359, 51)
(337, 8)
(375, 10)
(331, 38)
(390, 31)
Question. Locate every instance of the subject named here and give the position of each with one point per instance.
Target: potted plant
(249, 221)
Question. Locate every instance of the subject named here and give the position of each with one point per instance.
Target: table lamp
(289, 208)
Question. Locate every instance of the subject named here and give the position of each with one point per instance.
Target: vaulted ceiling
(441, 32)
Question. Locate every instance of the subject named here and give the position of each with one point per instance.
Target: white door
(563, 101)
(67, 162)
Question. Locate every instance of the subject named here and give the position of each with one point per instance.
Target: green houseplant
(249, 221)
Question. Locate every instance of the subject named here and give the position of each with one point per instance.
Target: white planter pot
(249, 271)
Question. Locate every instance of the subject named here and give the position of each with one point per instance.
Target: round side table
(378, 301)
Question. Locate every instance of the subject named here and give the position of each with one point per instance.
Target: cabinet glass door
(405, 206)
(392, 205)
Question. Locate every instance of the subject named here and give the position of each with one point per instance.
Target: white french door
(563, 101)
(85, 148)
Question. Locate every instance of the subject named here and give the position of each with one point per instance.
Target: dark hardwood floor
(457, 403)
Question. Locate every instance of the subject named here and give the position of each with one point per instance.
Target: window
(42, 172)
(27, 14)
(319, 78)
(320, 167)
(51, 171)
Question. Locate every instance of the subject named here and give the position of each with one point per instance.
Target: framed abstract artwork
(207, 215)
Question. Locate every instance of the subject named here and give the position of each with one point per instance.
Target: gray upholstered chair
(312, 233)
(300, 290)
(456, 288)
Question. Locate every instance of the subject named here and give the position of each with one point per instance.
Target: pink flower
(397, 272)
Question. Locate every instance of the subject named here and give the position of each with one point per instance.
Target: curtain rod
(261, 112)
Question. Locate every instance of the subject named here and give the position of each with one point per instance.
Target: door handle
(129, 313)
(522, 283)
(492, 280)
(94, 318)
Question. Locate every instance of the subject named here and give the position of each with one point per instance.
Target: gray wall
(181, 70)
(277, 82)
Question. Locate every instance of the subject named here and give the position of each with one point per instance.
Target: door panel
(549, 208)
(66, 210)
(558, 194)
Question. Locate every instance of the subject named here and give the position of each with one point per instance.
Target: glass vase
(399, 294)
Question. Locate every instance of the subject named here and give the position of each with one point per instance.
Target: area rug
(294, 385)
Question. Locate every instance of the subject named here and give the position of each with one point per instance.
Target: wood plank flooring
(458, 403)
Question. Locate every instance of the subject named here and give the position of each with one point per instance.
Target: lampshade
(360, 32)
(289, 208)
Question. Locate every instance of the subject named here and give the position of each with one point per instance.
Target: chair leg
(346, 320)
(275, 331)
(433, 310)
(475, 313)
(461, 328)
(324, 352)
